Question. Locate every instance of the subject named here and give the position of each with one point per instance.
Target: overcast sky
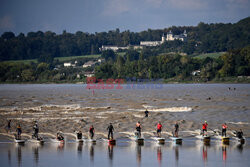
(103, 15)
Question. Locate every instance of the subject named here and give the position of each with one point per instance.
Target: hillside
(203, 38)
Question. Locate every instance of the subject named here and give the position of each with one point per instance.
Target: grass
(205, 55)
(60, 59)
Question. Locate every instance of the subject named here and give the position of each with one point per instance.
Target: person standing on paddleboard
(138, 128)
(19, 132)
(8, 126)
(159, 127)
(176, 129)
(36, 130)
(224, 130)
(110, 131)
(91, 131)
(204, 128)
(146, 113)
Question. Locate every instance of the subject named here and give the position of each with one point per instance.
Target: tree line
(148, 65)
(203, 38)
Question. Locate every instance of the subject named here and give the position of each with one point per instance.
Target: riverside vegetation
(174, 61)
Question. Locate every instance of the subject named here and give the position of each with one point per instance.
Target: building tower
(163, 39)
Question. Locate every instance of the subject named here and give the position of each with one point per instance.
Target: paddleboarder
(204, 128)
(91, 131)
(19, 132)
(159, 127)
(224, 130)
(79, 135)
(110, 131)
(138, 128)
(239, 134)
(36, 130)
(8, 126)
(146, 113)
(176, 129)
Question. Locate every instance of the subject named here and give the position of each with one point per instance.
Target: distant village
(90, 64)
(169, 37)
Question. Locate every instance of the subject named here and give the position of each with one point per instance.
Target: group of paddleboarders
(110, 128)
(223, 131)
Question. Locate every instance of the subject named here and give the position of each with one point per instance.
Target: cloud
(116, 7)
(187, 4)
(6, 22)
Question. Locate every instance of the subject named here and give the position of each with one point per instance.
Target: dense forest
(203, 38)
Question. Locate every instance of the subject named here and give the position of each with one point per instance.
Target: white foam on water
(138, 116)
(239, 123)
(101, 117)
(106, 112)
(49, 118)
(172, 109)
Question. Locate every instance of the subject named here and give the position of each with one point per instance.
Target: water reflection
(159, 155)
(240, 148)
(224, 153)
(79, 149)
(204, 154)
(92, 153)
(176, 149)
(19, 154)
(138, 154)
(110, 154)
(36, 155)
(9, 157)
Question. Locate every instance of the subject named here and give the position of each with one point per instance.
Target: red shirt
(159, 126)
(224, 126)
(204, 126)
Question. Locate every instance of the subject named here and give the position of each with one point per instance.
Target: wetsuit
(8, 126)
(79, 135)
(239, 134)
(138, 129)
(110, 131)
(224, 130)
(146, 113)
(176, 126)
(36, 130)
(91, 131)
(19, 132)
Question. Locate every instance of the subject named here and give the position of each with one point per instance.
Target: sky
(23, 16)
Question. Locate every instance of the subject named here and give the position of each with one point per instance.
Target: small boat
(177, 140)
(19, 141)
(159, 140)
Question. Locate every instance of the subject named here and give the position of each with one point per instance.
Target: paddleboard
(177, 140)
(112, 141)
(37, 141)
(159, 140)
(240, 140)
(19, 141)
(79, 140)
(225, 139)
(139, 140)
(90, 140)
(204, 138)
